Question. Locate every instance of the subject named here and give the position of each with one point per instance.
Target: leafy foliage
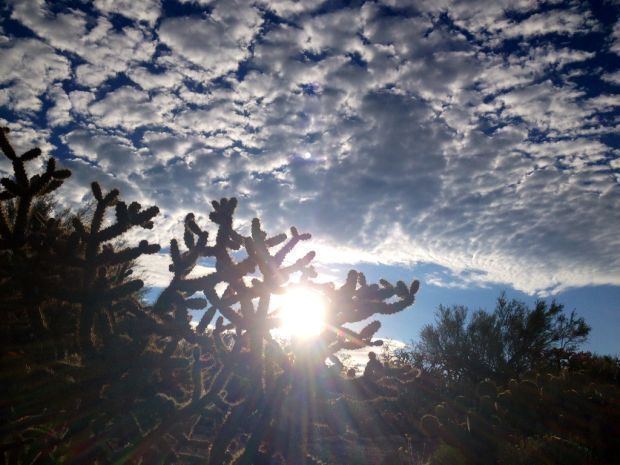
(504, 344)
(510, 387)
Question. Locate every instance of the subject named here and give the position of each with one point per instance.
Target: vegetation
(90, 373)
(511, 340)
(510, 387)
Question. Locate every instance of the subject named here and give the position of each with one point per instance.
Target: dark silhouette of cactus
(245, 308)
(24, 189)
(90, 373)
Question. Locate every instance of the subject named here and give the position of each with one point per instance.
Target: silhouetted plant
(90, 373)
(502, 344)
(93, 374)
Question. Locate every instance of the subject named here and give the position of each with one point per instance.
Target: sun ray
(302, 313)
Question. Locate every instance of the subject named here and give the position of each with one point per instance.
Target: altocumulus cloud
(481, 136)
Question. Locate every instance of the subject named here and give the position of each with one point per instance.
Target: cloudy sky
(471, 144)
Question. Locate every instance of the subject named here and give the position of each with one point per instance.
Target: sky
(472, 145)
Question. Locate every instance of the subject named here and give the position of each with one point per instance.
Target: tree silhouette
(504, 344)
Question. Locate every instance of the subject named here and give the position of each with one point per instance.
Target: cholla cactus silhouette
(246, 319)
(93, 374)
(74, 334)
(24, 189)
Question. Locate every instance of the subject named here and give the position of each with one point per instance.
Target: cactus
(97, 375)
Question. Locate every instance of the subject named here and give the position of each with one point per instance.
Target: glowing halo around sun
(302, 313)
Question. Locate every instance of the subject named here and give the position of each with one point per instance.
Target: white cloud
(166, 146)
(333, 31)
(286, 8)
(106, 50)
(114, 154)
(563, 22)
(613, 78)
(560, 57)
(153, 270)
(169, 79)
(129, 108)
(58, 114)
(477, 16)
(29, 68)
(615, 39)
(62, 30)
(144, 10)
(80, 100)
(546, 106)
(394, 139)
(218, 43)
(109, 52)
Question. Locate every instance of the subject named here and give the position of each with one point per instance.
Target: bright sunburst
(302, 313)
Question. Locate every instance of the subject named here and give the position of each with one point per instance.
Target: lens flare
(302, 313)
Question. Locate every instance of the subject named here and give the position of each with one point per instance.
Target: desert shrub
(466, 347)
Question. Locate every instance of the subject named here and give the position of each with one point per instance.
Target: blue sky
(470, 144)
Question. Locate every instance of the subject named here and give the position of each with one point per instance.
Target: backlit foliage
(91, 374)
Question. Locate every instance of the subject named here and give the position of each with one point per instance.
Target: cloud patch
(479, 136)
(217, 43)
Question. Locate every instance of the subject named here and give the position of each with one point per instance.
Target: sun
(302, 313)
